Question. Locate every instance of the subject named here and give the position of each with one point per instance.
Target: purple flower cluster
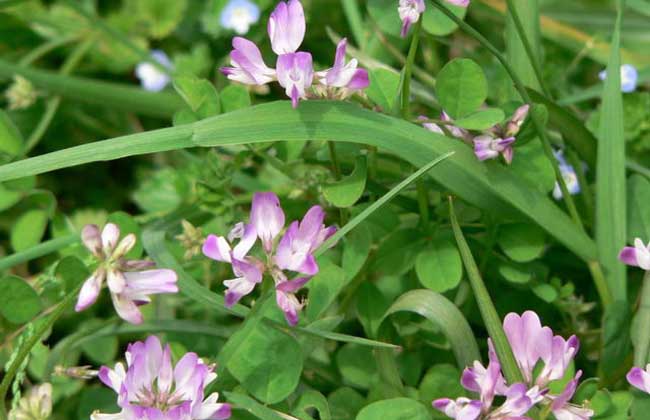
(494, 142)
(410, 11)
(150, 387)
(294, 69)
(130, 282)
(293, 252)
(542, 358)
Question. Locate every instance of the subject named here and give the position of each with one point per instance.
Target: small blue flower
(151, 77)
(569, 175)
(239, 15)
(629, 77)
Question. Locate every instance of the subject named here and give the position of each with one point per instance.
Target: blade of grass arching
(489, 313)
(487, 187)
(355, 20)
(40, 250)
(610, 174)
(114, 95)
(572, 129)
(446, 316)
(523, 42)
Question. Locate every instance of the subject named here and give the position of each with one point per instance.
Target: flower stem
(408, 70)
(37, 251)
(643, 324)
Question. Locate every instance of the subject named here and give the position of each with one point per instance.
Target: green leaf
(522, 242)
(482, 119)
(436, 23)
(8, 198)
(384, 88)
(441, 381)
(395, 409)
(446, 316)
(611, 201)
(616, 339)
(638, 206)
(621, 400)
(199, 94)
(312, 399)
(532, 166)
(19, 303)
(11, 141)
(158, 17)
(345, 403)
(347, 191)
(268, 364)
(517, 56)
(324, 287)
(384, 14)
(439, 267)
(546, 292)
(72, 271)
(501, 192)
(357, 365)
(356, 248)
(101, 350)
(461, 87)
(245, 402)
(29, 229)
(234, 97)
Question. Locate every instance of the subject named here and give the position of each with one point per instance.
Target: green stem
(355, 20)
(534, 61)
(605, 294)
(45, 49)
(37, 251)
(53, 103)
(27, 348)
(485, 305)
(599, 281)
(408, 71)
(643, 324)
(423, 202)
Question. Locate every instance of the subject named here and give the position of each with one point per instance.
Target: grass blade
(523, 42)
(439, 310)
(610, 174)
(485, 305)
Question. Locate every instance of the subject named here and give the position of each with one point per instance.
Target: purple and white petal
(286, 27)
(92, 240)
(409, 12)
(295, 74)
(90, 290)
(248, 238)
(267, 218)
(126, 309)
(150, 282)
(248, 66)
(110, 236)
(461, 3)
(217, 248)
(342, 74)
(640, 378)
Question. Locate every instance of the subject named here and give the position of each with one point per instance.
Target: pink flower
(292, 253)
(248, 66)
(488, 147)
(409, 12)
(342, 74)
(150, 387)
(286, 27)
(295, 75)
(461, 3)
(636, 256)
(561, 407)
(128, 281)
(639, 378)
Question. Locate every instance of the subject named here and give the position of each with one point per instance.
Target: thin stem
(408, 70)
(37, 251)
(423, 202)
(45, 49)
(355, 20)
(643, 324)
(600, 282)
(534, 61)
(53, 103)
(585, 189)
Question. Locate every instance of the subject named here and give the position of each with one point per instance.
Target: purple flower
(286, 27)
(409, 12)
(292, 253)
(519, 400)
(150, 387)
(247, 270)
(516, 121)
(128, 281)
(248, 66)
(461, 3)
(295, 75)
(342, 74)
(485, 382)
(640, 378)
(267, 217)
(457, 132)
(563, 410)
(488, 147)
(462, 408)
(636, 256)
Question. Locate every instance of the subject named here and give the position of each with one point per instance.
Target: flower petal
(91, 238)
(267, 217)
(217, 248)
(90, 290)
(286, 27)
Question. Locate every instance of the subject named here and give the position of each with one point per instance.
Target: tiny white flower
(151, 77)
(629, 77)
(239, 15)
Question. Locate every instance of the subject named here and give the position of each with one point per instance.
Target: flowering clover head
(637, 255)
(150, 387)
(629, 77)
(36, 405)
(294, 69)
(409, 12)
(293, 252)
(569, 175)
(536, 349)
(21, 94)
(129, 281)
(151, 77)
(640, 378)
(239, 15)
